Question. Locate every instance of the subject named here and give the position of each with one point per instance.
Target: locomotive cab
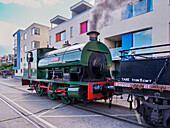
(30, 63)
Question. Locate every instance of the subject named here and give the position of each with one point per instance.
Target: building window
(127, 11)
(15, 53)
(106, 19)
(25, 36)
(138, 8)
(71, 31)
(60, 36)
(50, 40)
(16, 71)
(35, 31)
(15, 37)
(63, 35)
(118, 44)
(21, 59)
(149, 5)
(15, 43)
(25, 48)
(84, 27)
(142, 38)
(35, 44)
(21, 37)
(15, 62)
(21, 48)
(137, 39)
(21, 70)
(15, 40)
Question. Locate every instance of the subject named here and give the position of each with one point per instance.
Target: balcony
(115, 53)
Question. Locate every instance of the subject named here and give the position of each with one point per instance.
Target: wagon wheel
(39, 91)
(145, 114)
(66, 99)
(51, 92)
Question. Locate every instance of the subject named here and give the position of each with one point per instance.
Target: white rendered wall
(77, 37)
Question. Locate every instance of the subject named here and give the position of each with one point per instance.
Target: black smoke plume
(104, 7)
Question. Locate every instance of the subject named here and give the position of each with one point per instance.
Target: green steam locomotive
(78, 71)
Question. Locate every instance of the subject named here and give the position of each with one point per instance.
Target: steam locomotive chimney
(93, 35)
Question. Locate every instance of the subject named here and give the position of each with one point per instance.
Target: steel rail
(33, 122)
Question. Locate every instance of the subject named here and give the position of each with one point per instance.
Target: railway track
(88, 108)
(29, 119)
(113, 116)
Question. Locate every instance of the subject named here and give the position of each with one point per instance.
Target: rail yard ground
(24, 109)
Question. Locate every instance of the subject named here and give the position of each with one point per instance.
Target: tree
(10, 66)
(6, 66)
(1, 68)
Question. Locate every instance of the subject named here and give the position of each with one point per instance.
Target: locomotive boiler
(80, 62)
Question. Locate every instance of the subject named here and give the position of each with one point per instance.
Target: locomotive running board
(57, 81)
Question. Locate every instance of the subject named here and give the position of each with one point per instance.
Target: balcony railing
(115, 53)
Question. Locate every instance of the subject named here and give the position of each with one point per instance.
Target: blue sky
(19, 14)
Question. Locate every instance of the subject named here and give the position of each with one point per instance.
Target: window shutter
(83, 27)
(57, 37)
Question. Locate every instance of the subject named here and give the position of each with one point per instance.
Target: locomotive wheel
(51, 92)
(65, 99)
(39, 91)
(52, 95)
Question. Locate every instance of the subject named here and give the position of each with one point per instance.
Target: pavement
(24, 109)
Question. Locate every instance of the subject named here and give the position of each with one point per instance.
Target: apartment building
(144, 23)
(10, 58)
(71, 30)
(6, 59)
(35, 36)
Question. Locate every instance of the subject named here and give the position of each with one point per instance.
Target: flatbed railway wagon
(75, 72)
(147, 78)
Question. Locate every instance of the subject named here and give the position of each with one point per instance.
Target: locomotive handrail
(94, 50)
(151, 53)
(72, 61)
(62, 53)
(65, 52)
